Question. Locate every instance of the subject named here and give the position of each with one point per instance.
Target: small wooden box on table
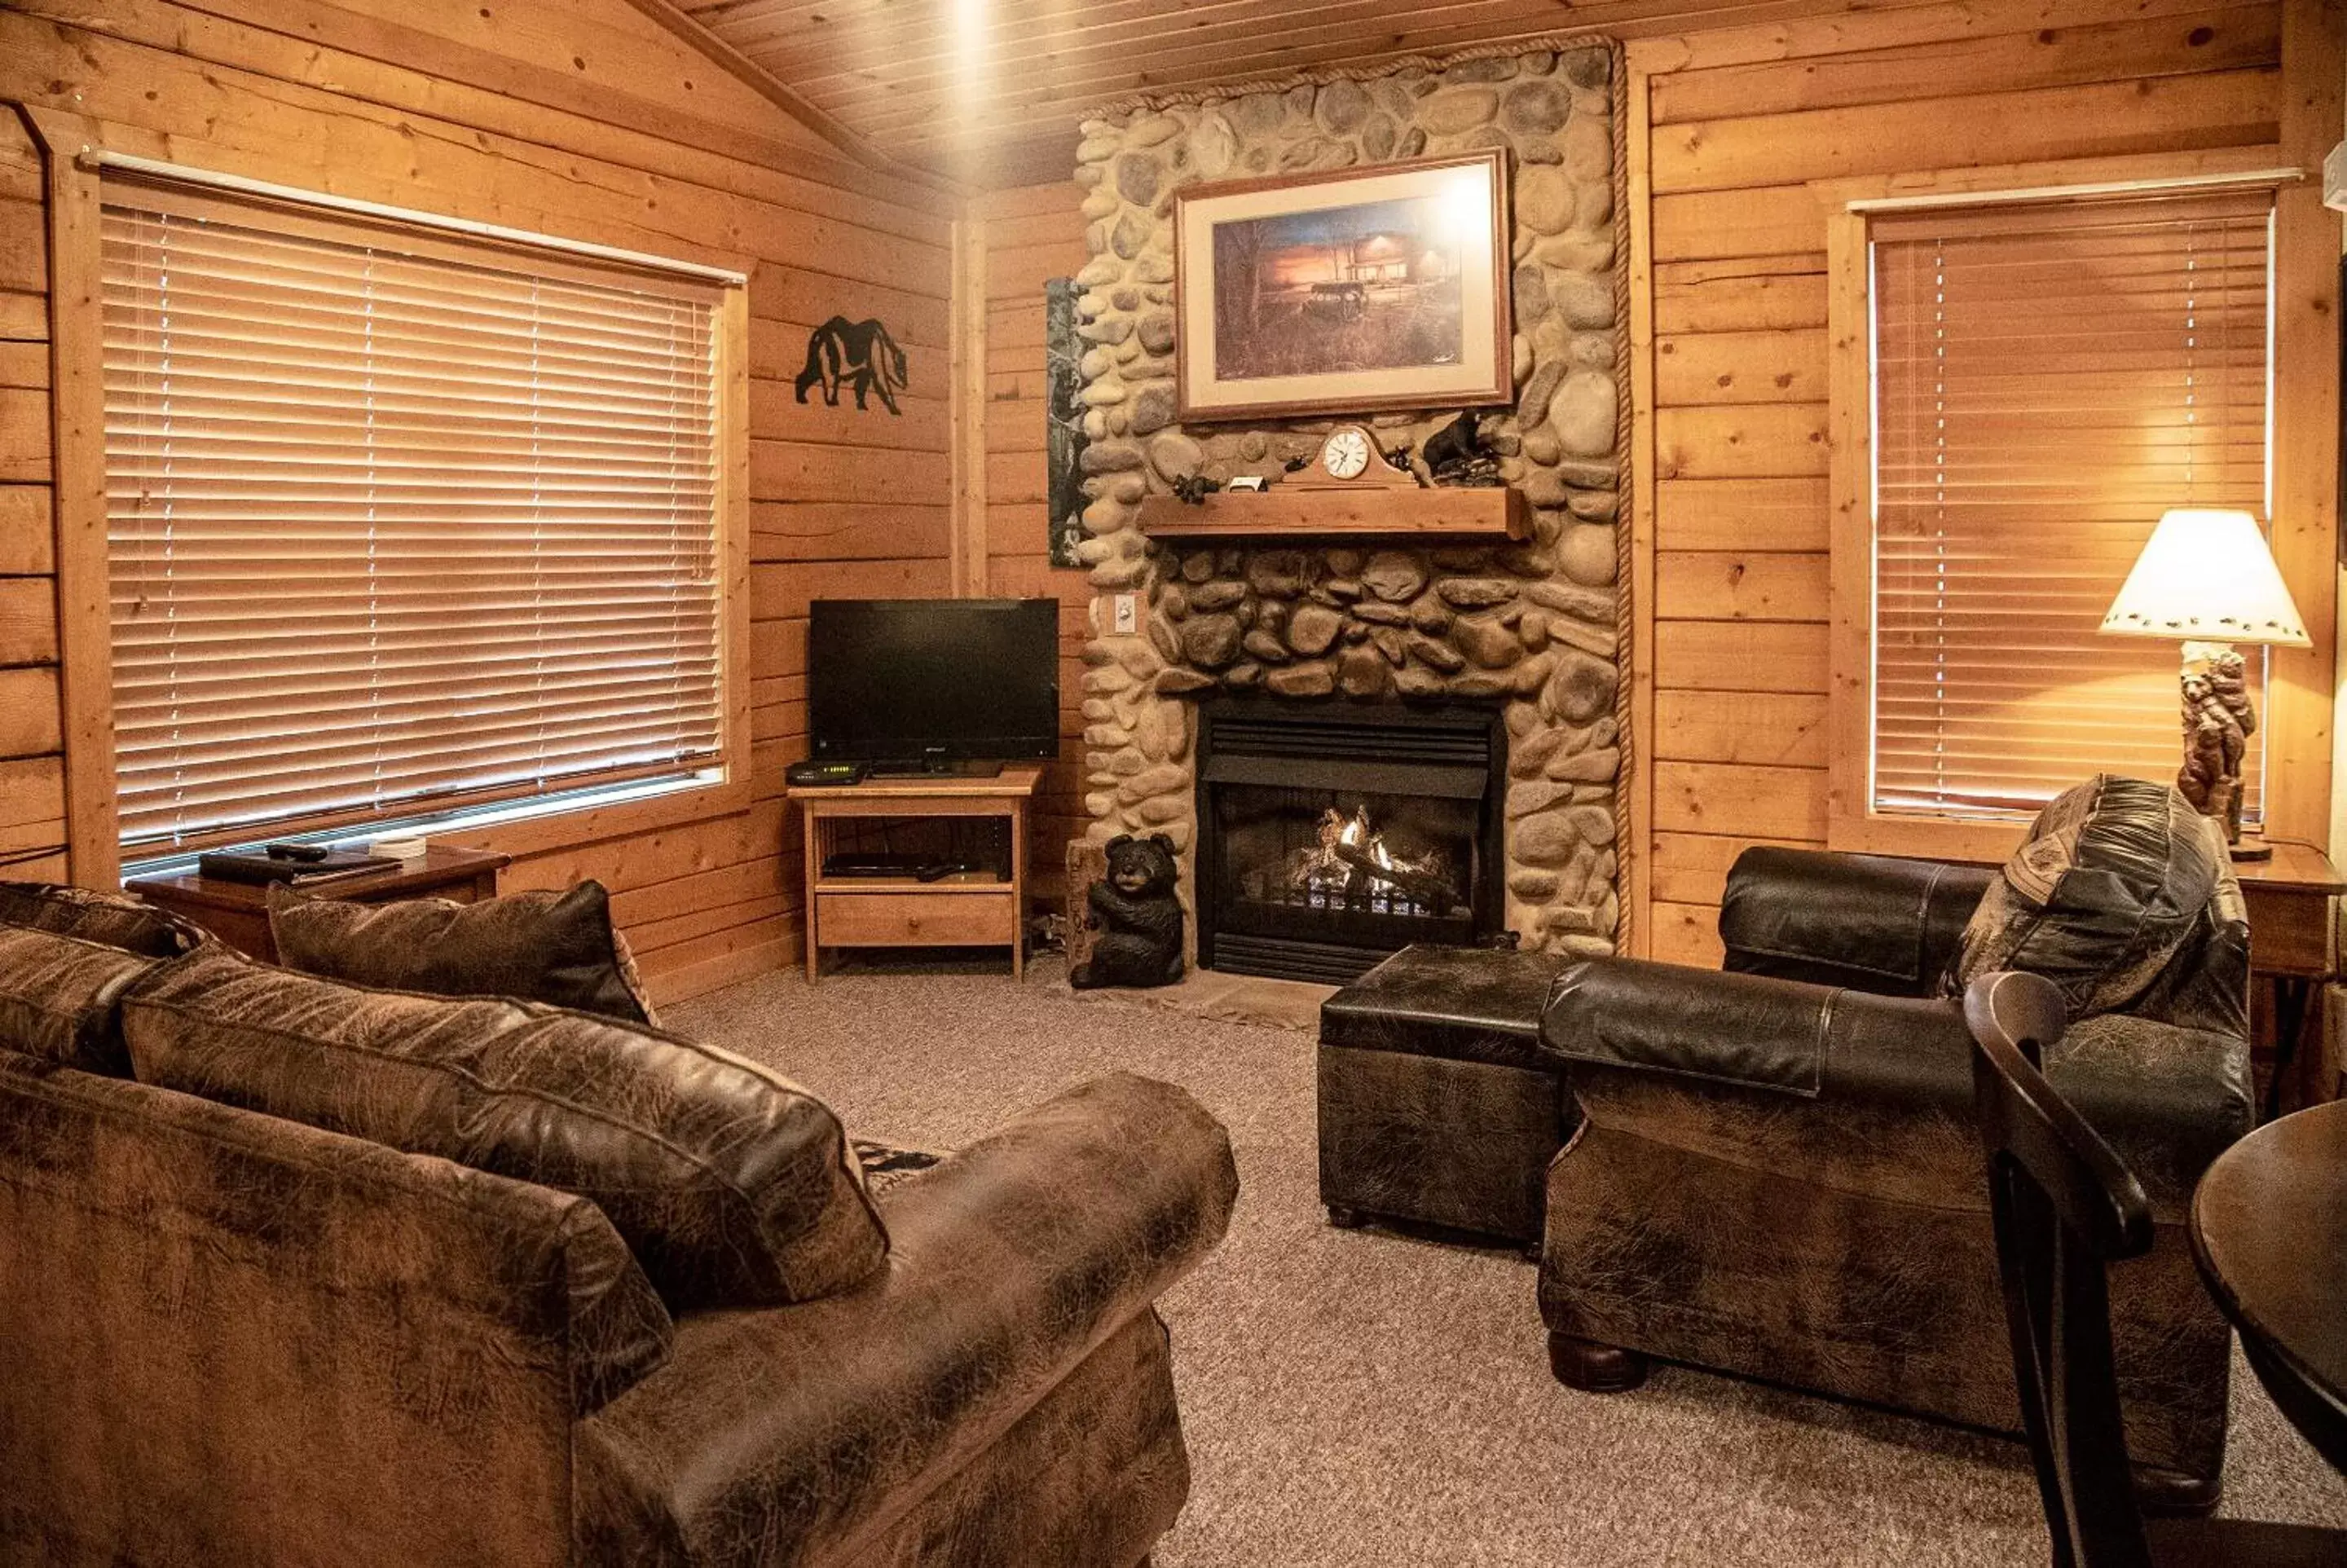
(238, 912)
(966, 910)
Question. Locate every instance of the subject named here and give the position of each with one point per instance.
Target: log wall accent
(582, 118)
(1733, 352)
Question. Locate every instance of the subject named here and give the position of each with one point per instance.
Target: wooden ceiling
(989, 91)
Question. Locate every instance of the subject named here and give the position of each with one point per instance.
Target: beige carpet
(1354, 1400)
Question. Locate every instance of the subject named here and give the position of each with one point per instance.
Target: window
(2046, 378)
(397, 520)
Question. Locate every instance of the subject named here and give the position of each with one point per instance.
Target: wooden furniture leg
(1594, 1369)
(1018, 885)
(809, 869)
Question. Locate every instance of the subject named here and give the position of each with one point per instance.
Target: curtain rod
(2103, 187)
(99, 159)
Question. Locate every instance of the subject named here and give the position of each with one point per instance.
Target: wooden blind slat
(396, 521)
(2049, 378)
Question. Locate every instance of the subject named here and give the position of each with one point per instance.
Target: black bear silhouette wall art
(860, 355)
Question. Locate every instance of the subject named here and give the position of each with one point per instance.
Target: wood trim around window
(2303, 695)
(2298, 725)
(83, 631)
(78, 415)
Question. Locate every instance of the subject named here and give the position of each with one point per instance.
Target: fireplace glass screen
(1347, 852)
(1332, 839)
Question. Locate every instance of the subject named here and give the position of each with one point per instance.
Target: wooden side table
(2289, 898)
(970, 909)
(238, 912)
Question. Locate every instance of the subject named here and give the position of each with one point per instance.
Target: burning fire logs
(1354, 868)
(1423, 888)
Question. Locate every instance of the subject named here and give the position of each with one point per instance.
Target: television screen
(933, 679)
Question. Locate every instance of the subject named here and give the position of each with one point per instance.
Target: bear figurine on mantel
(1138, 916)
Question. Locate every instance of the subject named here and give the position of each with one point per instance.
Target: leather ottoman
(1437, 1106)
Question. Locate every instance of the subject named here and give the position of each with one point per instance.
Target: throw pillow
(117, 920)
(2115, 874)
(734, 1186)
(60, 997)
(559, 949)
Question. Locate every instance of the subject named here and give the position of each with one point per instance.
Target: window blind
(396, 522)
(2049, 378)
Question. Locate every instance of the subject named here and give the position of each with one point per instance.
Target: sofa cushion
(734, 1186)
(115, 920)
(559, 949)
(2115, 874)
(60, 997)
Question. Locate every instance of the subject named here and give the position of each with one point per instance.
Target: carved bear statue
(1138, 915)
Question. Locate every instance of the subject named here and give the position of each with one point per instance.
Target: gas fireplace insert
(1333, 836)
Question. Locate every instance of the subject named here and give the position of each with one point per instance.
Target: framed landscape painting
(1383, 287)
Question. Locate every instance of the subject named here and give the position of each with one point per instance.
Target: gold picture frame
(1346, 291)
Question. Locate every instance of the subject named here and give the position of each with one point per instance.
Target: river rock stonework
(1531, 626)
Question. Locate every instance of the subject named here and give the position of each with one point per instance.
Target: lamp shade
(2207, 576)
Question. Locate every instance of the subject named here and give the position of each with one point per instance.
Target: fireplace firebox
(1331, 838)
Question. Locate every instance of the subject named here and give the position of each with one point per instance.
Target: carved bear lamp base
(2217, 724)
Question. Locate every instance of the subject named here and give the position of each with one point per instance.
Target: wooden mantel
(1494, 512)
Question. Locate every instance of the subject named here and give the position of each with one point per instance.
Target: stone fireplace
(1527, 635)
(1331, 835)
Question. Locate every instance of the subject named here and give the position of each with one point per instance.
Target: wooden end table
(238, 912)
(2289, 898)
(966, 910)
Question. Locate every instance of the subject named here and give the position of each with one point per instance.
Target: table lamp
(2207, 577)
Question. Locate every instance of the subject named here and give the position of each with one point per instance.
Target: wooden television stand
(966, 910)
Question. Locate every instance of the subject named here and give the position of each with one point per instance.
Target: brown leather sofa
(1776, 1173)
(227, 1337)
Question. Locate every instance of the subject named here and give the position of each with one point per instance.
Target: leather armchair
(1776, 1173)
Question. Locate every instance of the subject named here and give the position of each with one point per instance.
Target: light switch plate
(1127, 614)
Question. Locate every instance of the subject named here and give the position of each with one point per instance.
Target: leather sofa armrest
(1874, 922)
(1755, 1031)
(1855, 1093)
(2168, 1099)
(783, 1435)
(1866, 1093)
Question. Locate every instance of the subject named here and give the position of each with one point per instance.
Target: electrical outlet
(1127, 614)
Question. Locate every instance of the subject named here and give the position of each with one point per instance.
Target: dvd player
(921, 867)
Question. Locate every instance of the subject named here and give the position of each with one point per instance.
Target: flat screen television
(931, 684)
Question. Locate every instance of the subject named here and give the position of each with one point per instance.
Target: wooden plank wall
(32, 777)
(1031, 235)
(1741, 118)
(574, 118)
